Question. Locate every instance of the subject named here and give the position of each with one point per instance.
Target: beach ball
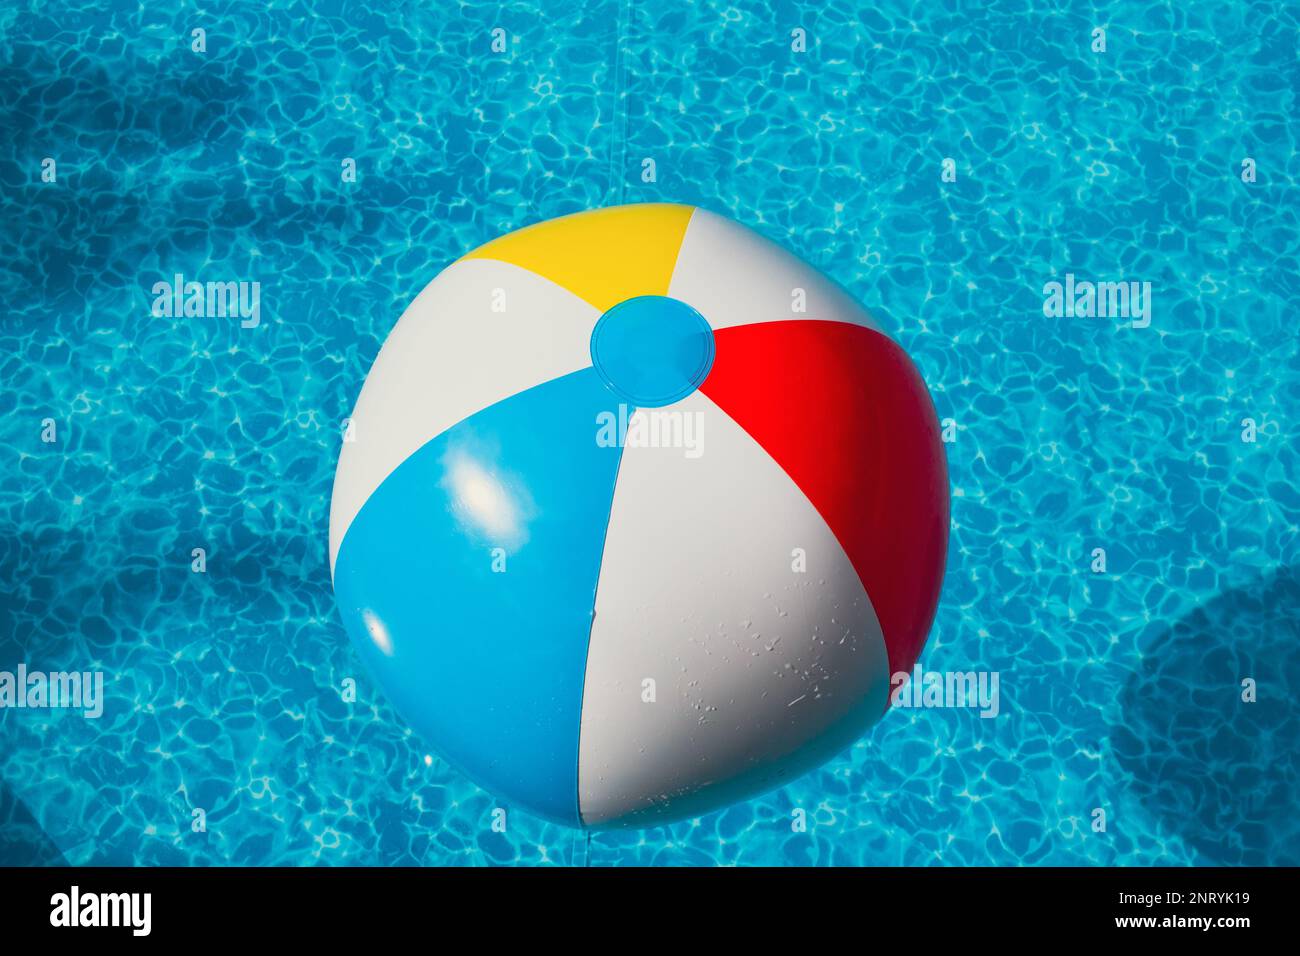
(636, 516)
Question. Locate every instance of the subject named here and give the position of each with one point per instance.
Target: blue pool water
(1119, 690)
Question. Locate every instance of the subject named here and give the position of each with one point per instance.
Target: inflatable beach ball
(636, 515)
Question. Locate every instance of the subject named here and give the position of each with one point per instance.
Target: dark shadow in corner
(1223, 773)
(22, 841)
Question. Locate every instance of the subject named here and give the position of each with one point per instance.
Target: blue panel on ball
(468, 583)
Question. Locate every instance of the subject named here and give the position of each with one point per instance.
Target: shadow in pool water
(22, 841)
(1221, 772)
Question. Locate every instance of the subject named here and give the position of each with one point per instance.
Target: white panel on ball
(733, 276)
(761, 671)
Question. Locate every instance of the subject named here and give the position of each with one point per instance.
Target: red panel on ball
(842, 409)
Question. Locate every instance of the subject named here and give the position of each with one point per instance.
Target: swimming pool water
(1119, 690)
